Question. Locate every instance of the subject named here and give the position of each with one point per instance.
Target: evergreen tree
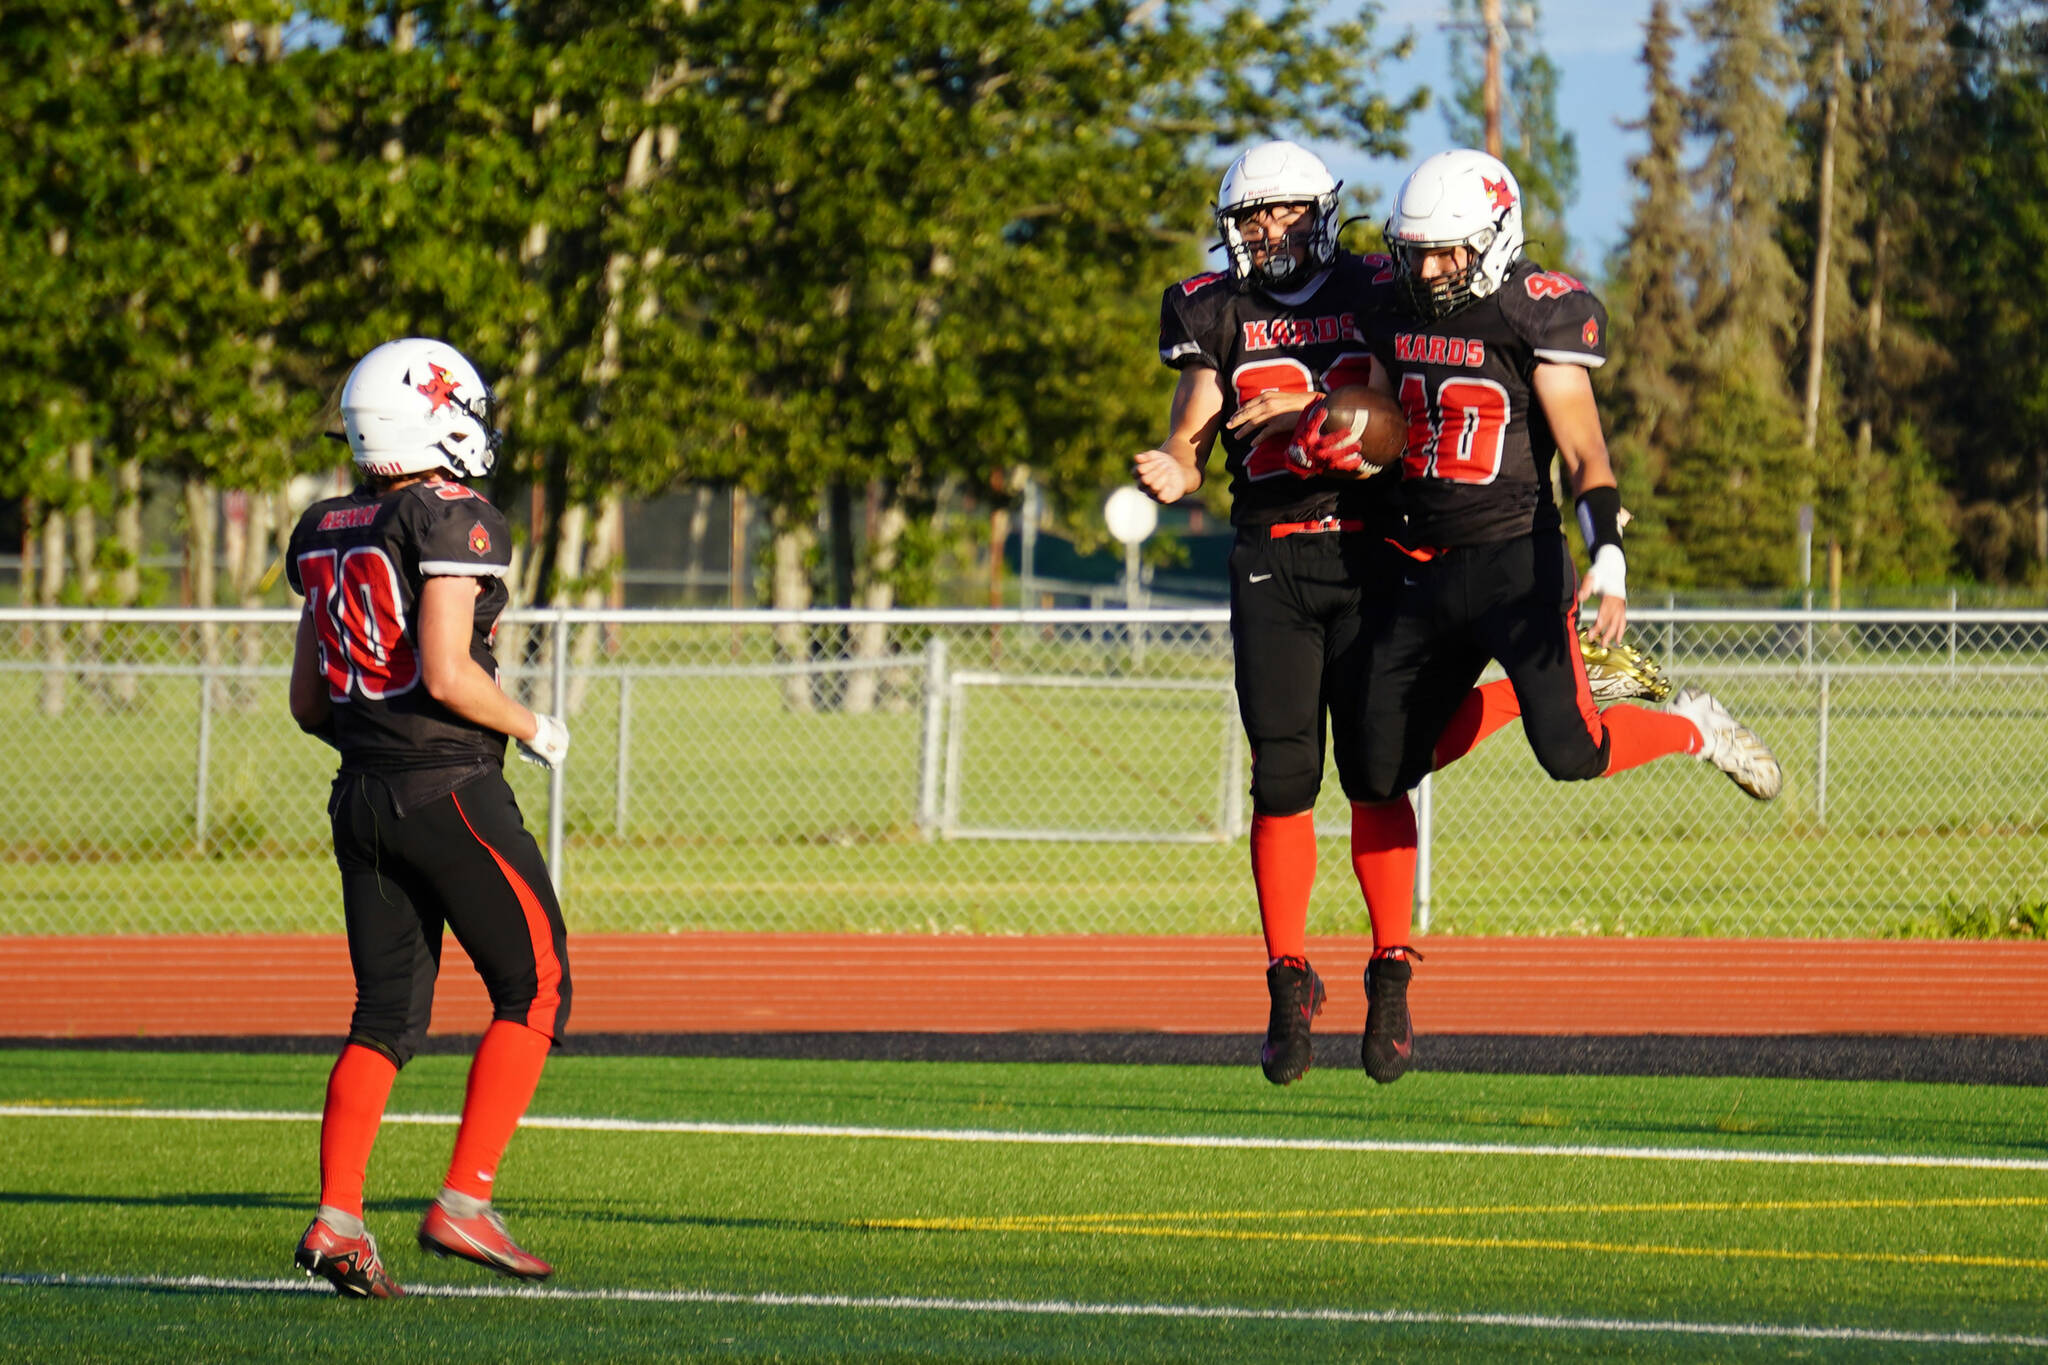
(1739, 477)
(1646, 389)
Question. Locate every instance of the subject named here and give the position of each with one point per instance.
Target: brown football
(1381, 424)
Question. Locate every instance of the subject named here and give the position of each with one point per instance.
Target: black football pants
(1300, 613)
(1512, 601)
(463, 860)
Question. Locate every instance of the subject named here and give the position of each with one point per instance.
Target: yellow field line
(1152, 1225)
(1479, 1243)
(1475, 1210)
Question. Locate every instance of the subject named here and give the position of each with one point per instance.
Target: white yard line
(1734, 1155)
(1055, 1308)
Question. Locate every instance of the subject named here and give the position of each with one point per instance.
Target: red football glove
(1312, 451)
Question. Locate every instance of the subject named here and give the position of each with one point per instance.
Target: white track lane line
(1735, 1155)
(1052, 1308)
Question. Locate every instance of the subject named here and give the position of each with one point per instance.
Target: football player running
(1491, 357)
(404, 580)
(1256, 345)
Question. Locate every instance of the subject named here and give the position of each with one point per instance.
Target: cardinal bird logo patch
(440, 391)
(1591, 332)
(1498, 193)
(479, 540)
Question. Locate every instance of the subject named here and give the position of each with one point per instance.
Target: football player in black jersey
(1491, 357)
(1255, 344)
(404, 580)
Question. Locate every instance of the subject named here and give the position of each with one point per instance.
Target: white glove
(549, 745)
(1608, 577)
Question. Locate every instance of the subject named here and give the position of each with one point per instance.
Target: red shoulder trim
(1194, 283)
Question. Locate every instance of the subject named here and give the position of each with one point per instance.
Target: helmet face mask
(1458, 198)
(417, 406)
(1266, 176)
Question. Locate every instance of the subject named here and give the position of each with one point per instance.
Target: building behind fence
(1030, 772)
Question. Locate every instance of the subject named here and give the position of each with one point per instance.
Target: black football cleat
(1389, 1037)
(350, 1264)
(1297, 999)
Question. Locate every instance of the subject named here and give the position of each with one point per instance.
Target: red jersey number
(1269, 457)
(365, 649)
(1459, 436)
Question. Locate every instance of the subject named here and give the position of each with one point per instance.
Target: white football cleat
(1729, 745)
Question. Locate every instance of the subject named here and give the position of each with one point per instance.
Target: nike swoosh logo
(1402, 1046)
(1258, 578)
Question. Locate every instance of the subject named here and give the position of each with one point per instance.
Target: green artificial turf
(1481, 1238)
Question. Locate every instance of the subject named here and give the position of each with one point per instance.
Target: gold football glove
(1619, 672)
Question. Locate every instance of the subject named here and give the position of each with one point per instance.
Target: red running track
(171, 986)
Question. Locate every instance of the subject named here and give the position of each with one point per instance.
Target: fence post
(1233, 769)
(1425, 834)
(1951, 637)
(205, 758)
(1820, 763)
(623, 763)
(931, 736)
(557, 812)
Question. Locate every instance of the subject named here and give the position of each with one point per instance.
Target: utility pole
(1496, 43)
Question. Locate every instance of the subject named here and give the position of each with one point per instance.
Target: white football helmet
(1457, 198)
(417, 405)
(1279, 173)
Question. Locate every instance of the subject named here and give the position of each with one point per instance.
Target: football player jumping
(404, 580)
(1255, 345)
(1491, 356)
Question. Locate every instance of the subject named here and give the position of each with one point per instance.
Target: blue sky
(1595, 45)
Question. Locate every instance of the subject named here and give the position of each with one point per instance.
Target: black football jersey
(1257, 344)
(360, 562)
(1477, 466)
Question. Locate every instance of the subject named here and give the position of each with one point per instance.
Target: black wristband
(1600, 517)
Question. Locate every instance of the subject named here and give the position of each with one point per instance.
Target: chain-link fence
(1028, 772)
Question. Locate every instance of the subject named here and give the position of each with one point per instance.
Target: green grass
(1929, 1249)
(741, 814)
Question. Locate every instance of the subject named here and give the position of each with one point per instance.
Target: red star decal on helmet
(1498, 192)
(441, 390)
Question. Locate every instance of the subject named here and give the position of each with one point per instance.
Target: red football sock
(1284, 870)
(501, 1081)
(357, 1090)
(1383, 856)
(1484, 710)
(1636, 734)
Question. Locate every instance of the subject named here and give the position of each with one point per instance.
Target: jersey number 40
(1457, 435)
(354, 597)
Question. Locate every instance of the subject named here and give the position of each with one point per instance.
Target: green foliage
(777, 244)
(1736, 487)
(1954, 918)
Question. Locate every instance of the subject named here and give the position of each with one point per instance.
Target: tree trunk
(200, 513)
(795, 531)
(50, 586)
(695, 532)
(600, 570)
(85, 566)
(1824, 234)
(866, 686)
